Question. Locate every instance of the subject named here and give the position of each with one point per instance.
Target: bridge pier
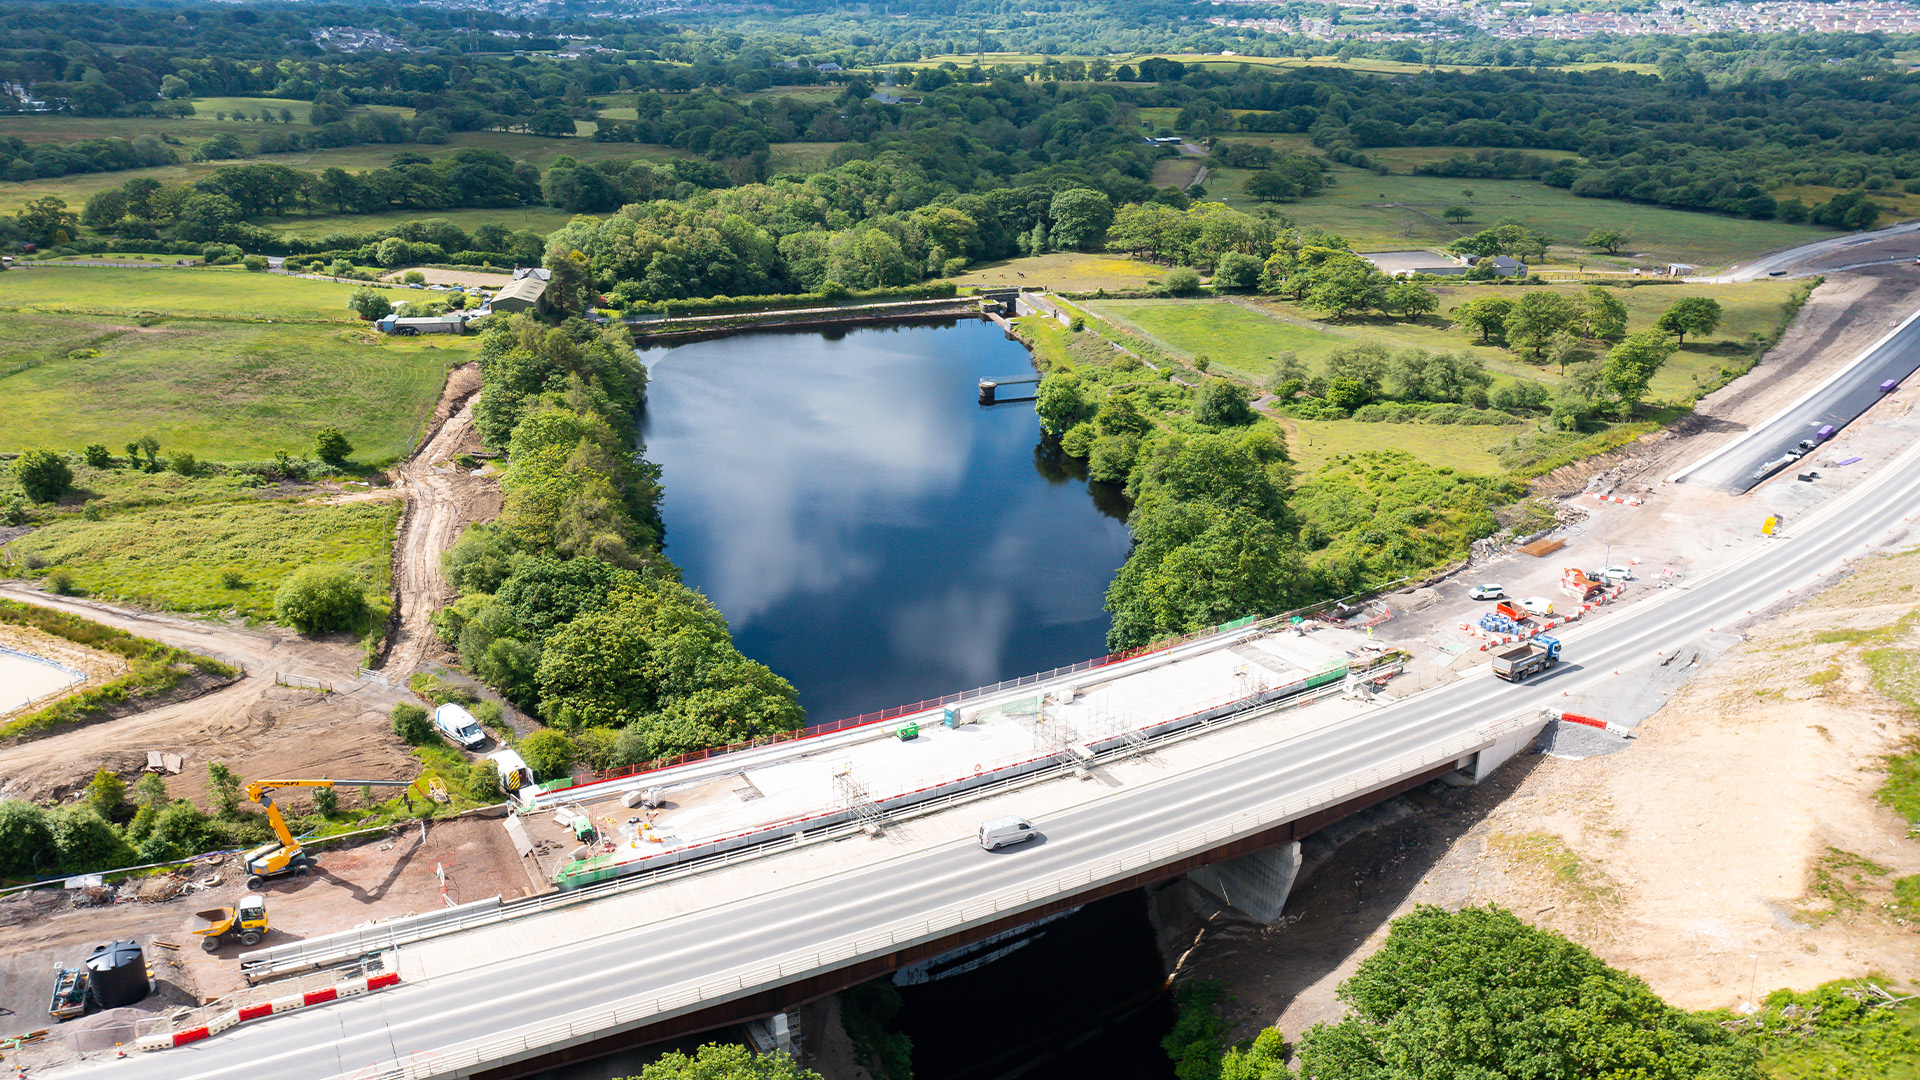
(1255, 884)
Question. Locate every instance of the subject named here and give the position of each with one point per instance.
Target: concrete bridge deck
(754, 796)
(731, 945)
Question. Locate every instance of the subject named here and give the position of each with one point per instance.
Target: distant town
(1441, 20)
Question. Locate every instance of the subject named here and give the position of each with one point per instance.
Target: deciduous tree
(1631, 365)
(1696, 315)
(1486, 316)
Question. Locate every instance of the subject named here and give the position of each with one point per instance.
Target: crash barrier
(1624, 500)
(664, 1002)
(1593, 722)
(276, 1007)
(327, 949)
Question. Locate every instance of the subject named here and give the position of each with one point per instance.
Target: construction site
(581, 833)
(1253, 683)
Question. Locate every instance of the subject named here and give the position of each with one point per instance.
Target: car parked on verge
(1487, 592)
(1617, 573)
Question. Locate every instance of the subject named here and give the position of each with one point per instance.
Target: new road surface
(1778, 443)
(782, 935)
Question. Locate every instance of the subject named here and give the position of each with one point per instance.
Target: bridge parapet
(902, 940)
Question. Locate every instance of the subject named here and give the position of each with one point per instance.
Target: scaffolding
(854, 798)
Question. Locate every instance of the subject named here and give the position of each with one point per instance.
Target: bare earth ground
(1694, 859)
(257, 727)
(1715, 856)
(482, 278)
(378, 878)
(443, 498)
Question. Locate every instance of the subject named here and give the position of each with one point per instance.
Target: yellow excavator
(287, 856)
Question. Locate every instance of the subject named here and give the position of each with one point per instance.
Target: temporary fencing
(467, 1058)
(277, 1007)
(1593, 722)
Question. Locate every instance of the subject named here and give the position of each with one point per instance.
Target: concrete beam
(1255, 884)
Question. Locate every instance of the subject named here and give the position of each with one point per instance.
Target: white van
(514, 773)
(1001, 831)
(459, 725)
(1537, 605)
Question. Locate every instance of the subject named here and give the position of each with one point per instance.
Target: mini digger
(245, 922)
(286, 856)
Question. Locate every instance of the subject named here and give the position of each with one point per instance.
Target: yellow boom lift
(287, 856)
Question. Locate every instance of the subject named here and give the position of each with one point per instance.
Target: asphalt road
(1761, 452)
(1894, 244)
(349, 1036)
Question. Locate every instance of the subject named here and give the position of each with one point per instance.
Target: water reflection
(870, 531)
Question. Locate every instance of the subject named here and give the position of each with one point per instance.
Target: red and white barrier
(276, 1007)
(1593, 722)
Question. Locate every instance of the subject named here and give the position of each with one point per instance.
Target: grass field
(77, 188)
(1175, 172)
(221, 293)
(100, 355)
(1465, 447)
(1242, 338)
(1398, 210)
(541, 219)
(1066, 271)
(177, 548)
(800, 157)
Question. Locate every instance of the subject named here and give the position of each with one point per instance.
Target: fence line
(843, 951)
(476, 918)
(895, 712)
(301, 682)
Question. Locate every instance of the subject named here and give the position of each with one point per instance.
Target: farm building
(523, 294)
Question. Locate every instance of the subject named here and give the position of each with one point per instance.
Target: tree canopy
(1480, 994)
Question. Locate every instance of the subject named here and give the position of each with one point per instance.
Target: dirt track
(443, 498)
(231, 724)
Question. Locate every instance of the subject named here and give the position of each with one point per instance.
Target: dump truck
(245, 922)
(1529, 659)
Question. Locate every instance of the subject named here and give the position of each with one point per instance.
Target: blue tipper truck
(1530, 658)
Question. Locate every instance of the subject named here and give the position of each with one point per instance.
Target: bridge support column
(1255, 884)
(1496, 755)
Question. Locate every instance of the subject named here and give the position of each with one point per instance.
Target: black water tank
(117, 974)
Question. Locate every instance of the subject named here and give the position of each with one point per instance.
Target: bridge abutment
(1255, 884)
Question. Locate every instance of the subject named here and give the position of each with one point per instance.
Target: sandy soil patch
(467, 278)
(1735, 848)
(443, 498)
(377, 878)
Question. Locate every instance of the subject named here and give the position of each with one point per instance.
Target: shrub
(99, 457)
(331, 446)
(326, 801)
(483, 783)
(320, 598)
(414, 277)
(43, 475)
(183, 463)
(411, 723)
(61, 582)
(550, 754)
(1180, 281)
(255, 263)
(367, 302)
